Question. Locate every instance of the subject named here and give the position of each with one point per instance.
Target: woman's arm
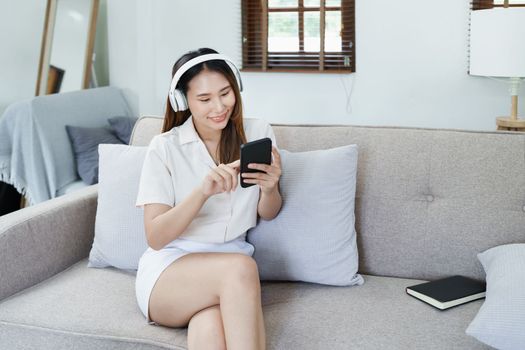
(163, 223)
(270, 201)
(269, 204)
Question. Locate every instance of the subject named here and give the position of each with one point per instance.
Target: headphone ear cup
(235, 72)
(181, 100)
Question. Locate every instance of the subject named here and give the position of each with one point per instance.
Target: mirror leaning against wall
(66, 55)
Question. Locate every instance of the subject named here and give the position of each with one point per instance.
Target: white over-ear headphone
(176, 96)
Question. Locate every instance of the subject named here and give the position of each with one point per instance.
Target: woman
(198, 270)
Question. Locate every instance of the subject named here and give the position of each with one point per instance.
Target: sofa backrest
(427, 200)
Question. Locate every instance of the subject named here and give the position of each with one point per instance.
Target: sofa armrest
(39, 241)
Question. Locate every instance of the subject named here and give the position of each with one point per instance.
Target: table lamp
(497, 49)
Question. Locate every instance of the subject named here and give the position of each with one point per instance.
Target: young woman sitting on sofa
(198, 270)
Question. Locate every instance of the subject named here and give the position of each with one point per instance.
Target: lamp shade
(497, 42)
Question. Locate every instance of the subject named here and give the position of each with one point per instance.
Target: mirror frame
(47, 41)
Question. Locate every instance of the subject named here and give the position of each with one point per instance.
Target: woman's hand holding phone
(222, 178)
(269, 179)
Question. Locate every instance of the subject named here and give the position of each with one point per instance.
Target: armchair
(36, 156)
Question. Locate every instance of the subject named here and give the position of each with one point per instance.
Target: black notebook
(448, 292)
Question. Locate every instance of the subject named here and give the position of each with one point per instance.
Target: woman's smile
(220, 118)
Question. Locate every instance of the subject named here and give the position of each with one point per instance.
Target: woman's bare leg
(205, 330)
(200, 280)
(241, 309)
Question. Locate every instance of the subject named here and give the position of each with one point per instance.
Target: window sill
(282, 70)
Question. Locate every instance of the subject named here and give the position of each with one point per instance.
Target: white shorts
(154, 262)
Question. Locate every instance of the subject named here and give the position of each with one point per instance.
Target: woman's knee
(206, 330)
(242, 270)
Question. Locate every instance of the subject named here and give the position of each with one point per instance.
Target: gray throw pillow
(122, 127)
(85, 143)
(500, 321)
(313, 238)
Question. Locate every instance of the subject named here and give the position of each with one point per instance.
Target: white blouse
(177, 161)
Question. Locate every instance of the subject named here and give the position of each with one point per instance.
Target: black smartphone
(258, 151)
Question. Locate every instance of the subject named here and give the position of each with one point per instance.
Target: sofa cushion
(120, 239)
(313, 238)
(85, 143)
(501, 320)
(122, 127)
(83, 308)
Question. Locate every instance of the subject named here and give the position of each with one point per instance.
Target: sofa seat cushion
(377, 315)
(88, 308)
(83, 308)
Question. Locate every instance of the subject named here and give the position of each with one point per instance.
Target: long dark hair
(232, 136)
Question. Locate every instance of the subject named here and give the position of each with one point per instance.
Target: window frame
(257, 58)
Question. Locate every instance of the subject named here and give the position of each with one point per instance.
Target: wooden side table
(506, 123)
(512, 123)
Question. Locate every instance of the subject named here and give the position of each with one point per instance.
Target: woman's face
(211, 100)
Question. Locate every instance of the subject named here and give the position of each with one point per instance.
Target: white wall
(21, 25)
(411, 65)
(122, 46)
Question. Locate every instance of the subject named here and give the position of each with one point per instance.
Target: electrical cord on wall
(348, 94)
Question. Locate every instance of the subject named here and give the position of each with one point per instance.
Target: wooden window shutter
(302, 54)
(482, 4)
(252, 37)
(488, 4)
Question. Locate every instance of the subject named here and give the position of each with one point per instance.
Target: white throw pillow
(500, 321)
(120, 239)
(313, 238)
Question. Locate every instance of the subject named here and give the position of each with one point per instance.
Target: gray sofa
(427, 202)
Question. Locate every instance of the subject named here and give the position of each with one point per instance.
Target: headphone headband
(176, 97)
